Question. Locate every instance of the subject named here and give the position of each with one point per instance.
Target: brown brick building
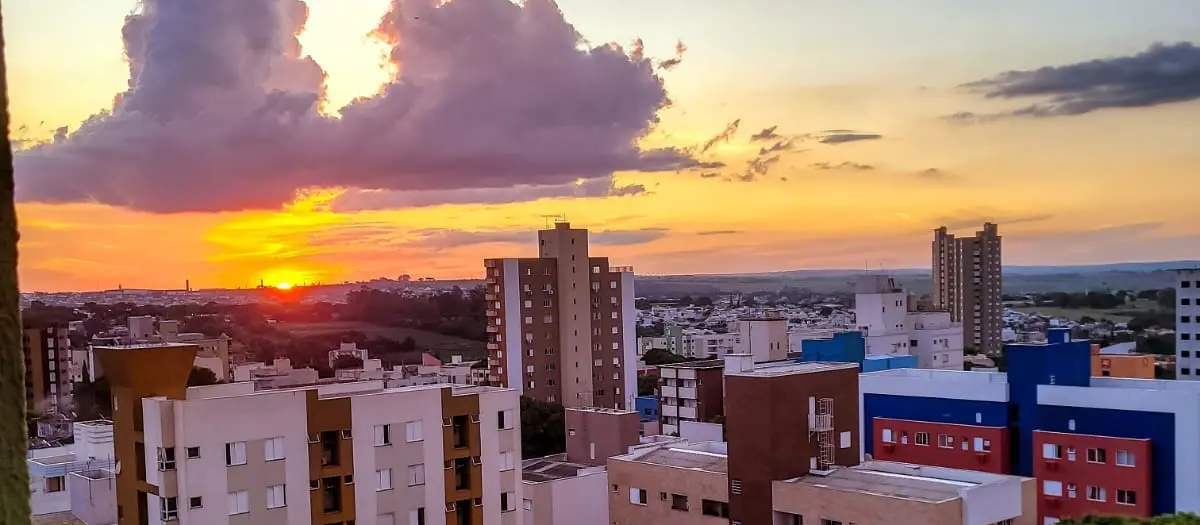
(561, 325)
(967, 283)
(691, 391)
(47, 369)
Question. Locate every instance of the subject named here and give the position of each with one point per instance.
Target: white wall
(495, 441)
(972, 386)
(880, 313)
(992, 502)
(581, 500)
(628, 339)
(512, 325)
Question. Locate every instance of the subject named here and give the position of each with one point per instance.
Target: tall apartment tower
(967, 283)
(1187, 325)
(47, 352)
(561, 325)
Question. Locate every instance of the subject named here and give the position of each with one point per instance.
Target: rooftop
(900, 480)
(787, 368)
(603, 410)
(707, 456)
(707, 363)
(138, 346)
(550, 468)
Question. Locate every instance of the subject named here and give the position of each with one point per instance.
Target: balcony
(493, 346)
(491, 280)
(687, 413)
(491, 313)
(669, 410)
(687, 392)
(493, 329)
(669, 391)
(489, 297)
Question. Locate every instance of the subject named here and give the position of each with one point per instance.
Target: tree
(647, 385)
(657, 356)
(1184, 518)
(14, 473)
(749, 302)
(1166, 298)
(704, 300)
(543, 429)
(201, 376)
(685, 300)
(347, 361)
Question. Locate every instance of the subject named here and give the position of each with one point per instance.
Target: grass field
(443, 345)
(1075, 314)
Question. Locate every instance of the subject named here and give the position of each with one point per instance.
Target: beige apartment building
(677, 483)
(967, 281)
(561, 325)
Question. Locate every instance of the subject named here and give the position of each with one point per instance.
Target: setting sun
(284, 286)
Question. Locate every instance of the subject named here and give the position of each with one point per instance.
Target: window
(983, 445)
(166, 459)
(276, 497)
(1125, 458)
(504, 419)
(1051, 451)
(416, 474)
(416, 517)
(1126, 497)
(384, 480)
(412, 431)
(168, 508)
(193, 452)
(945, 441)
(274, 449)
(1052, 488)
(1096, 455)
(195, 502)
(637, 496)
(235, 453)
(506, 461)
(383, 435)
(826, 521)
(239, 502)
(55, 484)
(1097, 493)
(922, 439)
(1071, 490)
(508, 501)
(710, 507)
(1070, 453)
(679, 502)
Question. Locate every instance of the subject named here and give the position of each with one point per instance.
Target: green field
(1075, 314)
(441, 345)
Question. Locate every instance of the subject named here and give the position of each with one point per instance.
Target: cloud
(1162, 74)
(758, 166)
(709, 175)
(626, 237)
(358, 200)
(933, 174)
(223, 110)
(846, 165)
(724, 136)
(670, 63)
(444, 238)
(841, 136)
(720, 232)
(976, 218)
(783, 145)
(765, 134)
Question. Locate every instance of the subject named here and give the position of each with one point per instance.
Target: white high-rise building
(1187, 324)
(892, 325)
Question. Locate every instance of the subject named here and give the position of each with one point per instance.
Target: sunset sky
(790, 134)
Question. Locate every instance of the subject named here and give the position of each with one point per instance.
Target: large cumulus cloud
(223, 110)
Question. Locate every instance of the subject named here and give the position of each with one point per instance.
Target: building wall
(660, 482)
(817, 503)
(578, 500)
(767, 434)
(367, 412)
(593, 435)
(1130, 366)
(47, 354)
(1071, 467)
(765, 339)
(986, 414)
(629, 315)
(967, 282)
(945, 273)
(569, 249)
(1187, 324)
(93, 497)
(974, 447)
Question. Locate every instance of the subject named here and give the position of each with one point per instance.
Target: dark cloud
(847, 165)
(724, 136)
(720, 232)
(709, 175)
(765, 134)
(222, 110)
(670, 63)
(976, 218)
(626, 237)
(783, 145)
(443, 238)
(1162, 74)
(835, 137)
(758, 166)
(358, 200)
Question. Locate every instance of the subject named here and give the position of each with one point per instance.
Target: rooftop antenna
(554, 219)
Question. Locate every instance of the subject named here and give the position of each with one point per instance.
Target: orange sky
(1092, 188)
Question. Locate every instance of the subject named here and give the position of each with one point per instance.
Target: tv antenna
(553, 219)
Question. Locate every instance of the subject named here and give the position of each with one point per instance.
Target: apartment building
(679, 483)
(764, 337)
(573, 487)
(561, 325)
(690, 391)
(336, 454)
(1103, 445)
(76, 478)
(1118, 361)
(967, 283)
(894, 324)
(47, 369)
(1187, 326)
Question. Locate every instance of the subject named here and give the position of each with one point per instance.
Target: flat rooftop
(601, 410)
(704, 456)
(549, 468)
(707, 363)
(787, 368)
(140, 346)
(888, 484)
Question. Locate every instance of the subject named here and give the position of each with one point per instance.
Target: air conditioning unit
(476, 461)
(475, 418)
(447, 422)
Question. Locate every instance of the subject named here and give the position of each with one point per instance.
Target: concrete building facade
(358, 452)
(561, 326)
(690, 391)
(1187, 324)
(893, 323)
(47, 369)
(967, 283)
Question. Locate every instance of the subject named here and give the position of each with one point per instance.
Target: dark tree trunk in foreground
(14, 475)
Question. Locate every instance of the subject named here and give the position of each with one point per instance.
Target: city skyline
(752, 153)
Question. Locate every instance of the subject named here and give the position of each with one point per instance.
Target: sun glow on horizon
(284, 285)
